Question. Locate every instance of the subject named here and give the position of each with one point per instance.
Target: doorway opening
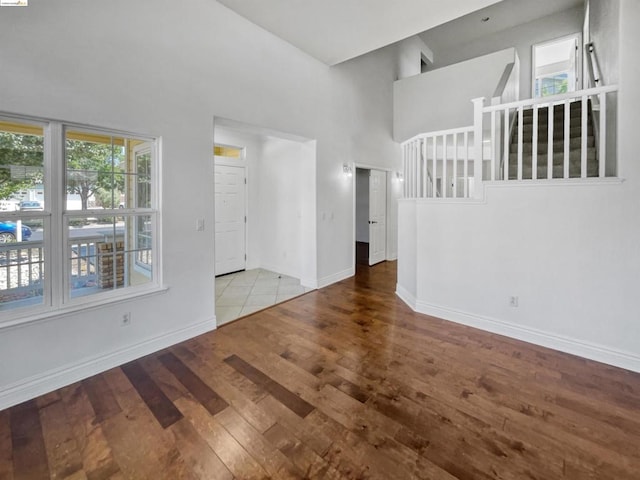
(265, 218)
(370, 216)
(556, 66)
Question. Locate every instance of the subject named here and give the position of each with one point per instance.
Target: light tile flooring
(242, 293)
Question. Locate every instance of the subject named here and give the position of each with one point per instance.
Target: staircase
(575, 141)
(452, 164)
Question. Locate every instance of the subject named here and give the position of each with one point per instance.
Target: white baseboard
(52, 380)
(588, 350)
(336, 277)
(406, 296)
(309, 283)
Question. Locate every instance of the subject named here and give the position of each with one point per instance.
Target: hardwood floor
(344, 382)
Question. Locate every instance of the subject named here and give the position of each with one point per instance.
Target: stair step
(575, 143)
(544, 121)
(557, 109)
(558, 146)
(575, 160)
(558, 133)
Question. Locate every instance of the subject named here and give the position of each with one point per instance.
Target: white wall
(521, 38)
(604, 19)
(362, 205)
(395, 191)
(411, 52)
(603, 29)
(286, 186)
(165, 68)
(441, 99)
(570, 253)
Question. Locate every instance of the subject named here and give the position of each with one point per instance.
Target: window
(78, 215)
(552, 85)
(227, 151)
(556, 64)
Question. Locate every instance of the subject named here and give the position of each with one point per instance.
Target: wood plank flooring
(344, 382)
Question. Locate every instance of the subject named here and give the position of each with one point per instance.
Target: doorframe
(234, 133)
(579, 59)
(241, 162)
(388, 172)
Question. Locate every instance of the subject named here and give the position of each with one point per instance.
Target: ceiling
(337, 30)
(502, 16)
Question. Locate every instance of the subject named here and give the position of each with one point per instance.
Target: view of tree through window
(21, 160)
(21, 222)
(94, 171)
(552, 85)
(108, 214)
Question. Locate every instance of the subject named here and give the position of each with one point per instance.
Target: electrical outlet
(125, 320)
(513, 301)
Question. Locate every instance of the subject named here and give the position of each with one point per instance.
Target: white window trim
(56, 300)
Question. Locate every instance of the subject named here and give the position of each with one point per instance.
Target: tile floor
(239, 294)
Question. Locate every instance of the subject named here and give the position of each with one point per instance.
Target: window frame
(143, 149)
(56, 297)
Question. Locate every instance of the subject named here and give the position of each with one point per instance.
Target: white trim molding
(561, 343)
(57, 378)
(336, 277)
(406, 296)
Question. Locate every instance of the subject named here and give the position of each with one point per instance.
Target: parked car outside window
(9, 230)
(30, 205)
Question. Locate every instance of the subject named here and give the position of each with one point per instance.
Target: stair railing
(444, 156)
(567, 163)
(593, 66)
(461, 159)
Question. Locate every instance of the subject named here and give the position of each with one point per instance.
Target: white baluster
(520, 140)
(455, 165)
(534, 145)
(493, 145)
(466, 165)
(444, 166)
(567, 135)
(550, 142)
(478, 105)
(507, 153)
(583, 139)
(434, 174)
(602, 144)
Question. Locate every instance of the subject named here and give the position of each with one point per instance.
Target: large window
(78, 215)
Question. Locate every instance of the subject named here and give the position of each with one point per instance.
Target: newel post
(478, 105)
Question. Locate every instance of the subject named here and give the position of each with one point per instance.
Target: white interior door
(230, 247)
(377, 216)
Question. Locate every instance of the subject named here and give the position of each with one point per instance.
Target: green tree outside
(94, 169)
(16, 151)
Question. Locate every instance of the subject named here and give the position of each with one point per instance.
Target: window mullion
(156, 197)
(56, 235)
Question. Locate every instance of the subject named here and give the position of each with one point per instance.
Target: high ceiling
(337, 30)
(504, 15)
